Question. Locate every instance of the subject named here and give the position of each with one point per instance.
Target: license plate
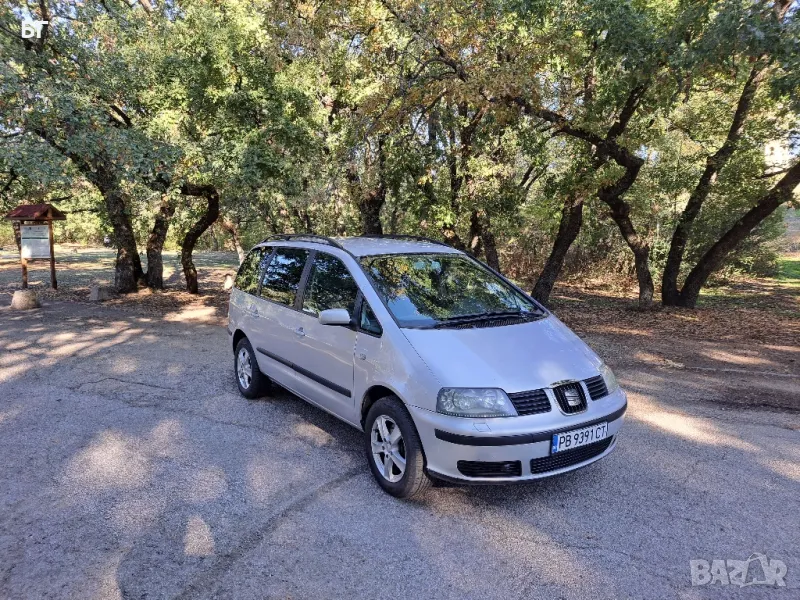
(578, 437)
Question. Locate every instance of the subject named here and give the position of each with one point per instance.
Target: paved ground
(131, 468)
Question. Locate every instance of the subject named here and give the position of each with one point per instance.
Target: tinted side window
(330, 285)
(282, 277)
(369, 322)
(247, 277)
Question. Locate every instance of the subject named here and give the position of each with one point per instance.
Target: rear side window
(247, 277)
(330, 285)
(282, 277)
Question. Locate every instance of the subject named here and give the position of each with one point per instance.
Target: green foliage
(304, 115)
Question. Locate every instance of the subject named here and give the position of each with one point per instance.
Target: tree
(100, 88)
(763, 29)
(558, 131)
(71, 90)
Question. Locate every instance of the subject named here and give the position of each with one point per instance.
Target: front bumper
(447, 440)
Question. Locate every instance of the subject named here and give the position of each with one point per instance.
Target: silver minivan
(451, 370)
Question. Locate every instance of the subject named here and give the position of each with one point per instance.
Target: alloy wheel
(388, 448)
(244, 369)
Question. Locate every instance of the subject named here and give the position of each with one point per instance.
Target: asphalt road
(131, 468)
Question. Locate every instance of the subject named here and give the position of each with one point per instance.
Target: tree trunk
(568, 229)
(209, 192)
(452, 238)
(128, 268)
(212, 232)
(303, 218)
(457, 166)
(490, 246)
(370, 206)
(373, 201)
(369, 202)
(233, 228)
(155, 244)
(17, 235)
(482, 238)
(393, 218)
(714, 164)
(714, 256)
(620, 212)
(449, 232)
(475, 242)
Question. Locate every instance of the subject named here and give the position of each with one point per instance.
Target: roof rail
(301, 237)
(418, 238)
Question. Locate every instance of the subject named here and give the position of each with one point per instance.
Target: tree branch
(122, 115)
(444, 56)
(608, 146)
(45, 17)
(627, 112)
(13, 176)
(768, 175)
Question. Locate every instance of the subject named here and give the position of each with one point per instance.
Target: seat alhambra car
(449, 369)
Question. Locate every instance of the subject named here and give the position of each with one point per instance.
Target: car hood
(514, 358)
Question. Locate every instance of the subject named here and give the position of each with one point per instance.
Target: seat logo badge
(572, 397)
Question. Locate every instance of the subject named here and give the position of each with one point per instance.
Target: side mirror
(334, 316)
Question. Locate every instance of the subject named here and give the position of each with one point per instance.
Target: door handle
(300, 332)
(361, 355)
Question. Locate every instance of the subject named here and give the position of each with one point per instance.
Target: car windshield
(436, 289)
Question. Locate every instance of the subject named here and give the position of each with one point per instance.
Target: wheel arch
(238, 335)
(372, 395)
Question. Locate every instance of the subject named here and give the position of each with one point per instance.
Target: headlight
(474, 402)
(609, 378)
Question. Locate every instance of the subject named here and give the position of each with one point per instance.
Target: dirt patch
(79, 268)
(734, 352)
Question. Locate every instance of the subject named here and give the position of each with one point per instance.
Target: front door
(324, 359)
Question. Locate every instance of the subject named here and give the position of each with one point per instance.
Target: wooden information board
(33, 230)
(35, 241)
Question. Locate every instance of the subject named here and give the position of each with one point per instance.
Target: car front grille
(567, 458)
(477, 468)
(570, 397)
(597, 387)
(530, 403)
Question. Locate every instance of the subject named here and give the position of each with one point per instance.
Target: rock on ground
(25, 300)
(98, 293)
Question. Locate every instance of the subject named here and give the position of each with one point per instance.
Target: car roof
(365, 245)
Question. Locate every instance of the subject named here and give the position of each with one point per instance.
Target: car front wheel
(394, 450)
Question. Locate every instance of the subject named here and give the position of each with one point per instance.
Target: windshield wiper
(484, 315)
(479, 317)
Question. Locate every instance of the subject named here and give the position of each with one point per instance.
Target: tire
(386, 416)
(255, 384)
